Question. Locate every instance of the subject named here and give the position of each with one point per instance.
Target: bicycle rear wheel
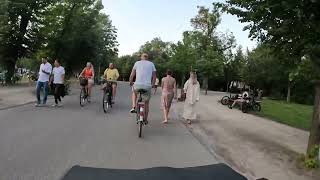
(225, 100)
(82, 97)
(140, 129)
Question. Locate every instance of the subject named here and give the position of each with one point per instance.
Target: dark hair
(58, 61)
(169, 72)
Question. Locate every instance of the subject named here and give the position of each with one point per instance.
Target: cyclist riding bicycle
(145, 73)
(111, 74)
(88, 73)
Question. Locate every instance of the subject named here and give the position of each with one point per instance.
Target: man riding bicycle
(111, 74)
(145, 73)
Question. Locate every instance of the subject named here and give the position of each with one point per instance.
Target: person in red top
(88, 73)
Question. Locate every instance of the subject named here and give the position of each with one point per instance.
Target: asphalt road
(43, 143)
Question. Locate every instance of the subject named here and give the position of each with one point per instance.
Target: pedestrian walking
(57, 78)
(43, 81)
(192, 90)
(169, 92)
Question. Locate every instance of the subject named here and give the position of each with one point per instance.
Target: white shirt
(57, 75)
(43, 77)
(144, 70)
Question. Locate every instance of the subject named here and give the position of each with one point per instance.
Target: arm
(92, 73)
(185, 87)
(132, 75)
(105, 74)
(82, 72)
(117, 74)
(162, 83)
(154, 77)
(198, 92)
(175, 89)
(51, 79)
(63, 76)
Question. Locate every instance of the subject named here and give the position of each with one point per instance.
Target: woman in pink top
(169, 91)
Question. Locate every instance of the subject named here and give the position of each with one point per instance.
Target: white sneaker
(60, 105)
(37, 105)
(54, 105)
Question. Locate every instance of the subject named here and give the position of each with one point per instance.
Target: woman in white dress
(192, 90)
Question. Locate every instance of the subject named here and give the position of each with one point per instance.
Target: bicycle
(140, 112)
(250, 104)
(83, 91)
(228, 100)
(107, 97)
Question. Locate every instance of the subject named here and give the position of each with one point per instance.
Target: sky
(139, 21)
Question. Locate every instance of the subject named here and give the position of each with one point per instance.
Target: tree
(288, 24)
(184, 57)
(159, 52)
(210, 46)
(20, 25)
(81, 33)
(234, 66)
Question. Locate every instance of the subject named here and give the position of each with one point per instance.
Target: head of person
(144, 56)
(44, 60)
(57, 63)
(89, 65)
(111, 66)
(193, 77)
(169, 72)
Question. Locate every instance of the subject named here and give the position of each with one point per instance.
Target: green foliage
(311, 160)
(75, 31)
(292, 114)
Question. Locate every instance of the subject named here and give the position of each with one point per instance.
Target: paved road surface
(43, 143)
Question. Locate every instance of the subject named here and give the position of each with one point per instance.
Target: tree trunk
(205, 84)
(314, 138)
(227, 90)
(10, 67)
(289, 92)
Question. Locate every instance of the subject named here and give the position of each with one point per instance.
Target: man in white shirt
(44, 74)
(58, 74)
(145, 73)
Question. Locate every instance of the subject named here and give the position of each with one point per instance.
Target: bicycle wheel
(257, 107)
(225, 100)
(244, 107)
(105, 102)
(82, 97)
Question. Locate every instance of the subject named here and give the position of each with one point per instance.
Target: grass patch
(295, 115)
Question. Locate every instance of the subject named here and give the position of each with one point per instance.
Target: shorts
(145, 96)
(90, 81)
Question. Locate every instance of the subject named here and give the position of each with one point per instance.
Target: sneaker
(60, 105)
(54, 105)
(133, 110)
(37, 105)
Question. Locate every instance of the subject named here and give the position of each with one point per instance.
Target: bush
(311, 160)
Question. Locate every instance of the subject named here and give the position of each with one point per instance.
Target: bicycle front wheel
(105, 103)
(82, 97)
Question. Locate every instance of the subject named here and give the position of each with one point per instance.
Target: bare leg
(134, 99)
(89, 89)
(114, 91)
(146, 109)
(165, 114)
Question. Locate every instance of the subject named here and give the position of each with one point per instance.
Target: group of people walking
(50, 78)
(143, 77)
